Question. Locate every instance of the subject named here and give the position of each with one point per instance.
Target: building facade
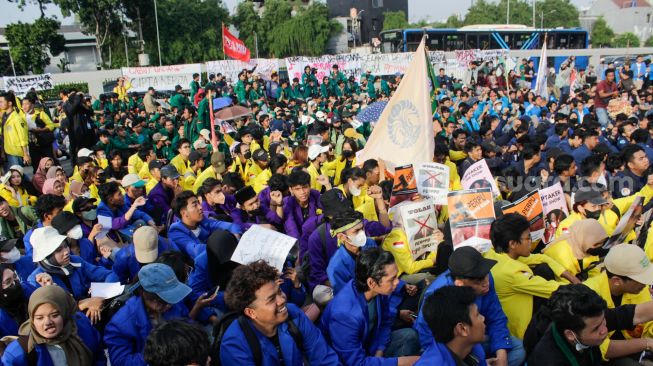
(623, 16)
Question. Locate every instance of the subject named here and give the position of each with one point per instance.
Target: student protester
(254, 293)
(301, 205)
(175, 343)
(146, 247)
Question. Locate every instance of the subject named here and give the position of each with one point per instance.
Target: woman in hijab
(578, 250)
(55, 333)
(41, 172)
(53, 186)
(58, 173)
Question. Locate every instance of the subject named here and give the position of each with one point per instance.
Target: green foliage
(247, 22)
(394, 20)
(649, 42)
(602, 34)
(39, 3)
(30, 44)
(275, 14)
(53, 94)
(625, 40)
(556, 13)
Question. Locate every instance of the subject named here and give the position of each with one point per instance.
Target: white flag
(542, 72)
(404, 133)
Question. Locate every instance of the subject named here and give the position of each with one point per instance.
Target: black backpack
(254, 345)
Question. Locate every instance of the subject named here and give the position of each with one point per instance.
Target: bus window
(485, 42)
(454, 42)
(519, 40)
(391, 42)
(413, 40)
(563, 41)
(435, 41)
(471, 41)
(577, 40)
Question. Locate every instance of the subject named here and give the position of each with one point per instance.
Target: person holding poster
(578, 250)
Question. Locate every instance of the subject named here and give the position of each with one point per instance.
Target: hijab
(582, 235)
(52, 173)
(77, 353)
(220, 246)
(48, 186)
(40, 175)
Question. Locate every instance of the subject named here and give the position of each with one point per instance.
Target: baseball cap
(322, 295)
(320, 115)
(468, 262)
(169, 171)
(159, 137)
(146, 244)
(155, 164)
(45, 241)
(65, 221)
(160, 279)
(631, 261)
(199, 144)
(17, 168)
(81, 201)
(205, 133)
(7, 244)
(315, 150)
(217, 161)
(132, 180)
(84, 152)
(194, 156)
(590, 194)
(260, 155)
(333, 202)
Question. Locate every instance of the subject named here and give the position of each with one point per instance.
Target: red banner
(234, 47)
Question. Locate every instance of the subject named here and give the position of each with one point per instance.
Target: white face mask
(359, 239)
(11, 256)
(579, 346)
(602, 180)
(354, 191)
(75, 233)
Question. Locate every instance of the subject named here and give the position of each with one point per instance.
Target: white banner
(161, 78)
(433, 182)
(555, 210)
(348, 64)
(386, 63)
(231, 68)
(20, 85)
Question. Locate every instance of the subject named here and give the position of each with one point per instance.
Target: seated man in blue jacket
(358, 321)
(123, 217)
(144, 250)
(254, 292)
(191, 232)
(457, 326)
(467, 267)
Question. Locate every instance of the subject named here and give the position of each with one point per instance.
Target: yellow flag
(404, 133)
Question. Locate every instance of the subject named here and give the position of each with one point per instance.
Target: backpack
(111, 306)
(254, 345)
(305, 268)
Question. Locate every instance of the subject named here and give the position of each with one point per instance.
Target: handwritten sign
(259, 243)
(161, 77)
(20, 85)
(348, 64)
(231, 68)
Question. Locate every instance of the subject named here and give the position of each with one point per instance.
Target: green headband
(345, 228)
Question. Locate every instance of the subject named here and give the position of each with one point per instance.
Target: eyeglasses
(11, 281)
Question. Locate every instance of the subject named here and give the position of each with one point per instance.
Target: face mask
(347, 153)
(12, 295)
(75, 233)
(597, 251)
(11, 256)
(579, 346)
(593, 214)
(89, 215)
(359, 239)
(248, 155)
(354, 191)
(86, 194)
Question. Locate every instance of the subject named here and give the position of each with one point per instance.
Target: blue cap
(160, 279)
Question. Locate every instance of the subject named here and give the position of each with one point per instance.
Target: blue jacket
(341, 269)
(8, 325)
(235, 350)
(14, 355)
(439, 354)
(80, 278)
(345, 324)
(193, 245)
(126, 266)
(292, 213)
(581, 154)
(118, 216)
(24, 267)
(127, 331)
(488, 305)
(28, 237)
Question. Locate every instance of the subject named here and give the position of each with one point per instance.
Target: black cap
(260, 155)
(590, 194)
(65, 221)
(169, 171)
(468, 262)
(244, 194)
(194, 156)
(7, 244)
(333, 202)
(155, 164)
(79, 202)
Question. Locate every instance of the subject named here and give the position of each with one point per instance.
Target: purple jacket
(245, 221)
(118, 216)
(316, 249)
(161, 198)
(264, 197)
(228, 206)
(292, 213)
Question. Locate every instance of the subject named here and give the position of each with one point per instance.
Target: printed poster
(471, 213)
(529, 206)
(404, 186)
(626, 223)
(261, 243)
(554, 207)
(433, 182)
(478, 175)
(420, 223)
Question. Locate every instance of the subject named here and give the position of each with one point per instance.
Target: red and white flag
(234, 47)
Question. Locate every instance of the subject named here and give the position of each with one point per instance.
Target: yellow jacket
(363, 203)
(253, 170)
(42, 116)
(188, 179)
(179, 163)
(206, 174)
(22, 198)
(334, 168)
(457, 155)
(14, 134)
(397, 243)
(454, 178)
(237, 167)
(516, 285)
(122, 91)
(144, 172)
(314, 173)
(261, 180)
(135, 164)
(562, 253)
(150, 184)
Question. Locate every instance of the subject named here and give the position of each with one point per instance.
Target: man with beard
(252, 212)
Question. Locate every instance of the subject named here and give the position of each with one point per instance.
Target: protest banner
(420, 223)
(478, 175)
(626, 223)
(261, 243)
(348, 64)
(386, 63)
(433, 182)
(404, 186)
(160, 77)
(471, 213)
(491, 55)
(464, 57)
(437, 57)
(20, 85)
(554, 207)
(529, 206)
(234, 47)
(231, 68)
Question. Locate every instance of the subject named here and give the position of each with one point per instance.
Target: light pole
(508, 12)
(158, 40)
(542, 17)
(533, 13)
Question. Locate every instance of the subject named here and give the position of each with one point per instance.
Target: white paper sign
(22, 84)
(161, 77)
(554, 206)
(478, 175)
(433, 182)
(107, 224)
(231, 68)
(260, 243)
(421, 224)
(106, 290)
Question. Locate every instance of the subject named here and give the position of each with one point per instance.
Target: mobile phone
(217, 288)
(413, 315)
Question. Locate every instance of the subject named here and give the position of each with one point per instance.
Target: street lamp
(508, 12)
(158, 40)
(542, 14)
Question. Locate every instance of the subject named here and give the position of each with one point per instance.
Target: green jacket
(192, 130)
(194, 87)
(178, 100)
(239, 90)
(25, 219)
(203, 112)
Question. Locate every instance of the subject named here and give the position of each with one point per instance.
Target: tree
(556, 13)
(394, 20)
(602, 34)
(649, 42)
(31, 44)
(5, 64)
(39, 3)
(625, 40)
(247, 22)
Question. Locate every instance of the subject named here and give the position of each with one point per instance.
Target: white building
(635, 16)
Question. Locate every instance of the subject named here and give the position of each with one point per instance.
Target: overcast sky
(417, 9)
